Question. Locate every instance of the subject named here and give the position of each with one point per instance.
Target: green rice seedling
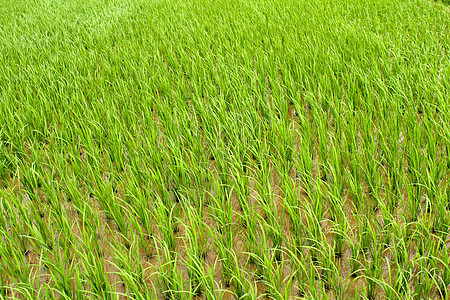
(211, 289)
(118, 211)
(224, 240)
(112, 206)
(179, 174)
(242, 190)
(434, 266)
(424, 282)
(271, 222)
(306, 167)
(251, 237)
(291, 205)
(169, 279)
(51, 191)
(41, 230)
(244, 287)
(130, 270)
(354, 176)
(30, 182)
(227, 264)
(394, 184)
(61, 266)
(364, 230)
(14, 261)
(25, 291)
(388, 219)
(299, 263)
(340, 285)
(354, 259)
(3, 284)
(196, 271)
(221, 207)
(317, 205)
(339, 232)
(400, 245)
(196, 231)
(91, 261)
(315, 234)
(372, 173)
(445, 276)
(7, 161)
(12, 222)
(337, 214)
(389, 290)
(326, 264)
(413, 199)
(270, 269)
(403, 266)
(282, 288)
(145, 241)
(440, 223)
(316, 289)
(285, 148)
(372, 274)
(401, 282)
(165, 220)
(257, 256)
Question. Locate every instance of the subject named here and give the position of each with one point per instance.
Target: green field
(200, 149)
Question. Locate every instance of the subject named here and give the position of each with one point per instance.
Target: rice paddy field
(226, 149)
